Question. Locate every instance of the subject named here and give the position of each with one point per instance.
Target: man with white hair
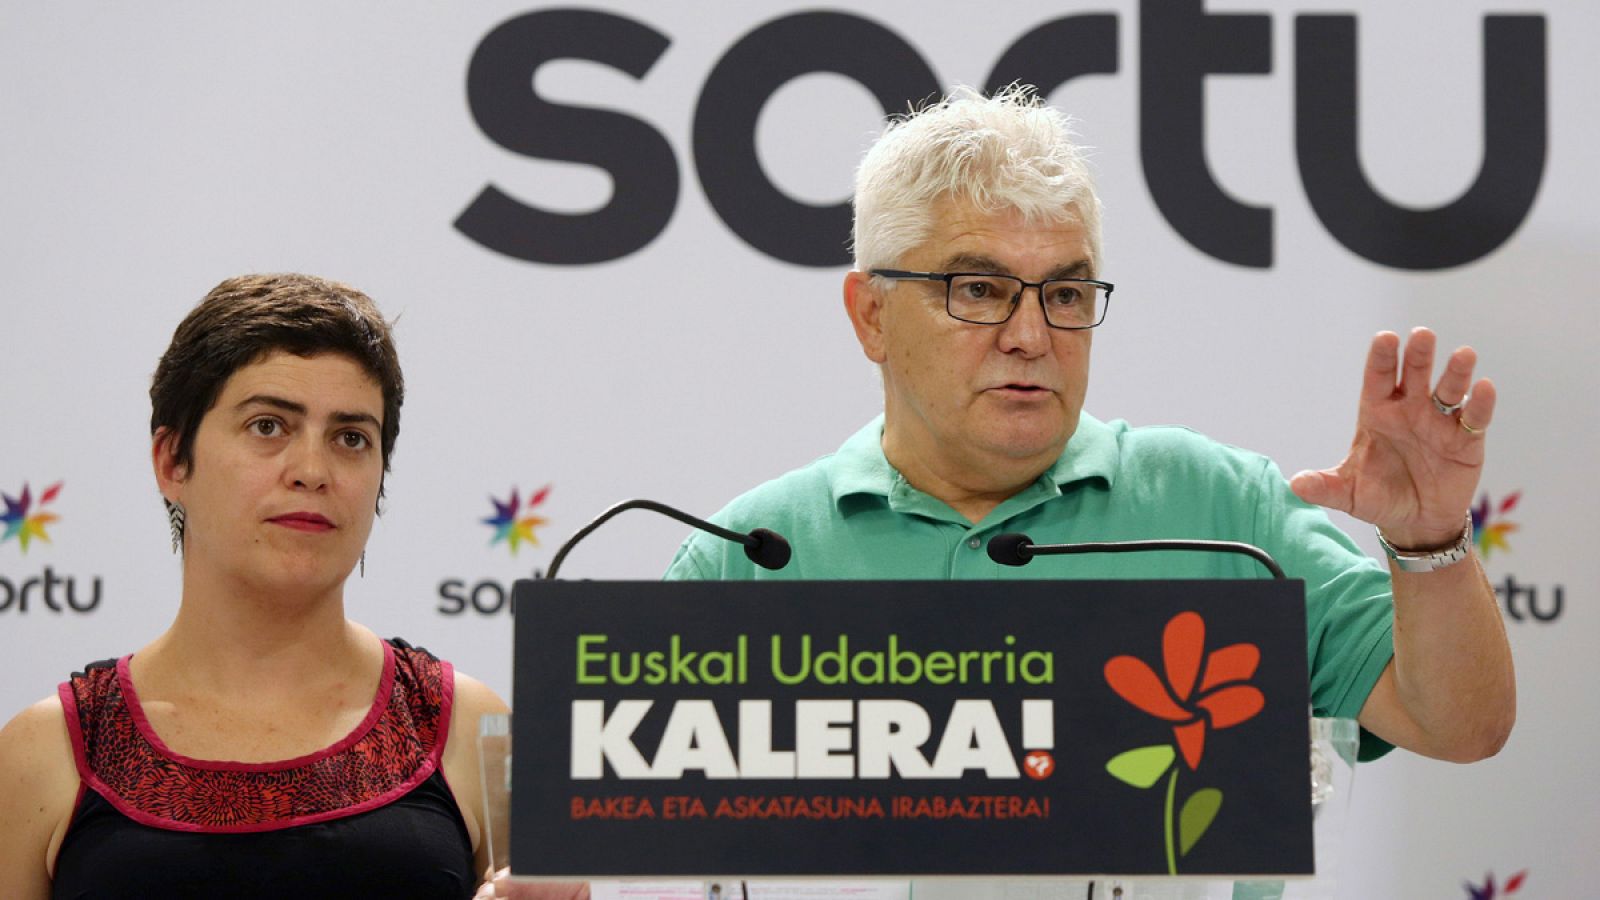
(975, 289)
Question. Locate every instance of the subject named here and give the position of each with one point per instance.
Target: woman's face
(284, 484)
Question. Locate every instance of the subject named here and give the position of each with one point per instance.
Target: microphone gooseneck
(764, 547)
(1017, 549)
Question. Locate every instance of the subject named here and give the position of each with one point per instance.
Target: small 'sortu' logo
(24, 525)
(513, 522)
(1488, 892)
(1489, 525)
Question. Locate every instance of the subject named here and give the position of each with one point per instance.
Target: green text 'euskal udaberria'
(799, 659)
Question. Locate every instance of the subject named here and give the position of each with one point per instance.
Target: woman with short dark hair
(264, 744)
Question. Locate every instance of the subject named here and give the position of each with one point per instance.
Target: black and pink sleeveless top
(370, 816)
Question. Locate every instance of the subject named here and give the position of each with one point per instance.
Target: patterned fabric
(395, 748)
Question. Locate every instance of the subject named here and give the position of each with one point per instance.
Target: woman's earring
(176, 515)
(363, 564)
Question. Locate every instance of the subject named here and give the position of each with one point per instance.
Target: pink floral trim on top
(394, 749)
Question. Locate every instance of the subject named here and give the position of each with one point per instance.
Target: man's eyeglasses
(987, 299)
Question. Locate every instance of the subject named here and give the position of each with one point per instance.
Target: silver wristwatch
(1430, 560)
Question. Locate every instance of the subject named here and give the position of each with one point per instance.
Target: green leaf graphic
(1141, 766)
(1197, 814)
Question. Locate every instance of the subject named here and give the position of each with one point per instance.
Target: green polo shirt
(851, 515)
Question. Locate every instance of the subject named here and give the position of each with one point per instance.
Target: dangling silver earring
(363, 564)
(176, 515)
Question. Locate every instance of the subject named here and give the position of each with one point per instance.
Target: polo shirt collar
(1092, 453)
(859, 467)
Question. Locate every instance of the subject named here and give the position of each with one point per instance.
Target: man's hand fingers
(1325, 488)
(1452, 386)
(1416, 379)
(1383, 361)
(1479, 411)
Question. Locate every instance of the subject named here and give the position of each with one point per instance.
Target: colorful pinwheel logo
(1200, 692)
(1488, 892)
(513, 528)
(24, 525)
(1488, 526)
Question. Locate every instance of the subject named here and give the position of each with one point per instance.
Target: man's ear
(863, 303)
(170, 474)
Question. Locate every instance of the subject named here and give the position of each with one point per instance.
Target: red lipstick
(303, 521)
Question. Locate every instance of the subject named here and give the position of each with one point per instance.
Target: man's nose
(1026, 332)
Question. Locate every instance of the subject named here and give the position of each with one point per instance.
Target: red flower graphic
(1220, 699)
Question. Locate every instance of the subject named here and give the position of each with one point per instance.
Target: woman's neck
(242, 643)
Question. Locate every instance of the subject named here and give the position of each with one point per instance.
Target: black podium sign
(923, 728)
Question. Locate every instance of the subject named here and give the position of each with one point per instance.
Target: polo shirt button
(974, 543)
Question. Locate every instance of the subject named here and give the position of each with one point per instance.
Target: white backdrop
(148, 151)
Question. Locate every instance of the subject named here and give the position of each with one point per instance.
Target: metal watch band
(1430, 560)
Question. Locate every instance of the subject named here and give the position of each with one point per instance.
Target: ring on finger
(1468, 428)
(1448, 409)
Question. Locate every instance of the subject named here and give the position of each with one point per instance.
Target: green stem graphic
(1172, 790)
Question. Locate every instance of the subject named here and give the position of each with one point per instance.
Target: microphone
(1016, 549)
(764, 547)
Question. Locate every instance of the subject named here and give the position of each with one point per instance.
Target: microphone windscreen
(770, 550)
(1007, 549)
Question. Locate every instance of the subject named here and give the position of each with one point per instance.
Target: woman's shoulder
(37, 740)
(474, 698)
(38, 788)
